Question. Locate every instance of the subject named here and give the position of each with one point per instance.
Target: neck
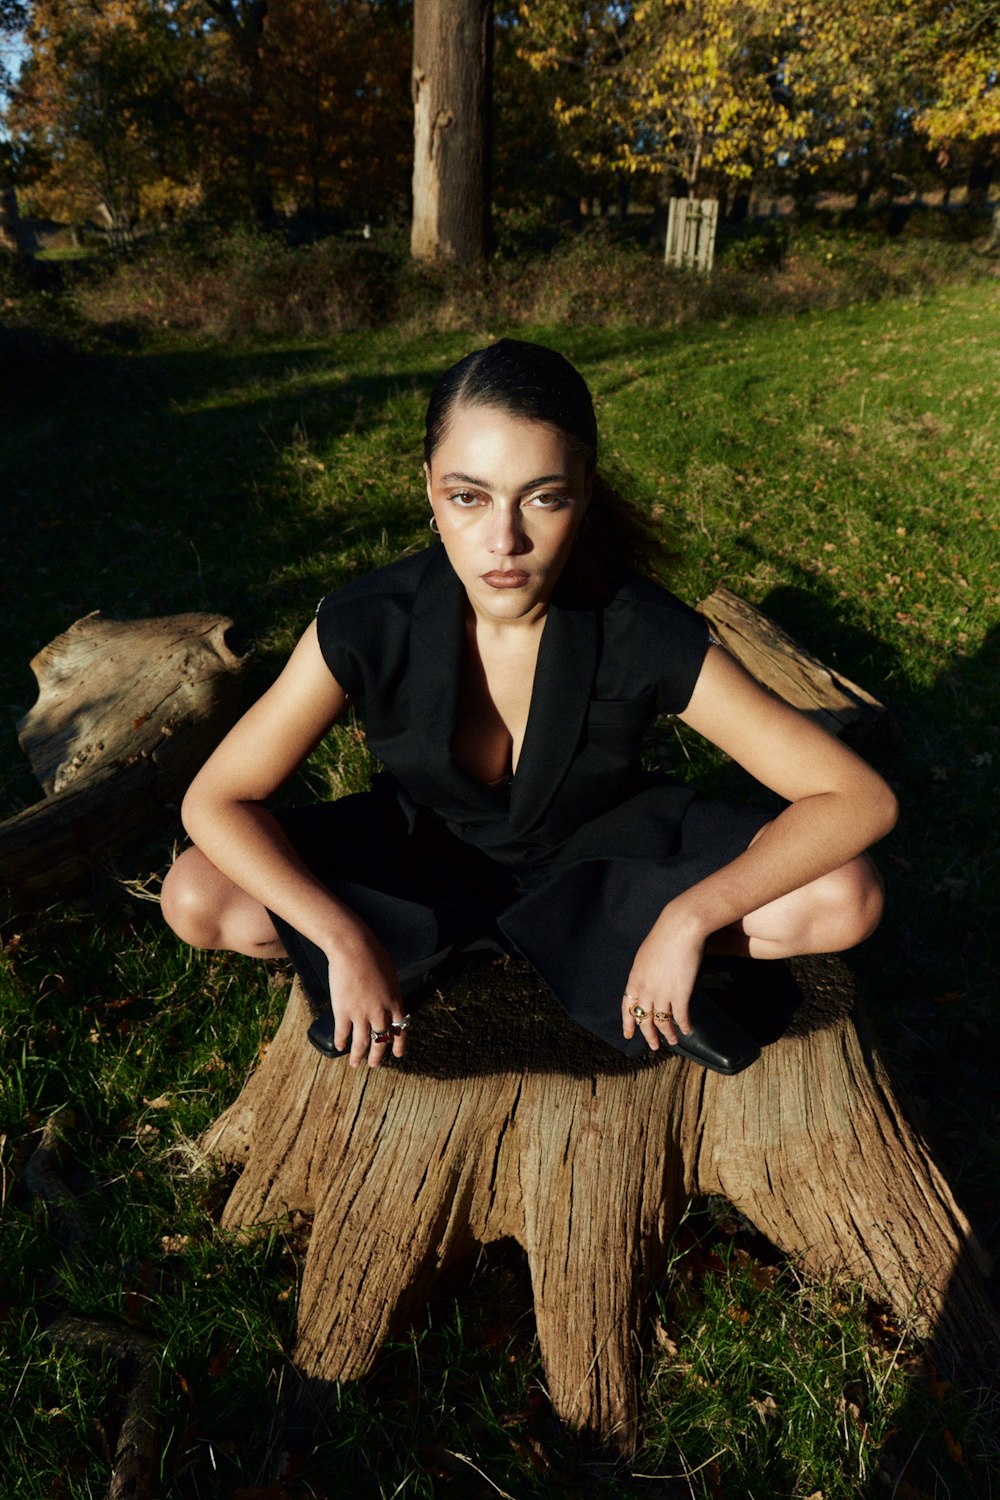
(484, 626)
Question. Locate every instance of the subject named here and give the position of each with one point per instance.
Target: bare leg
(207, 910)
(826, 916)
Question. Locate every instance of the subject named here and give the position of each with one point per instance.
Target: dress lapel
(564, 676)
(437, 639)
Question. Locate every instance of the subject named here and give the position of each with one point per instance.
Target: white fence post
(691, 224)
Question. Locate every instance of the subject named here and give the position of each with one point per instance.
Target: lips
(506, 578)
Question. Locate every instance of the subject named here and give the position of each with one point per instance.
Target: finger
(360, 1043)
(629, 1021)
(363, 1043)
(380, 1037)
(398, 1026)
(638, 1013)
(651, 1034)
(665, 1024)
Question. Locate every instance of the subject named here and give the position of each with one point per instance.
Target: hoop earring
(433, 524)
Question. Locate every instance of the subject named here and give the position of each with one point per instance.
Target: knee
(186, 901)
(850, 903)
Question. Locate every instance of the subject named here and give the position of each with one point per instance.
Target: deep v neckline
(479, 691)
(560, 692)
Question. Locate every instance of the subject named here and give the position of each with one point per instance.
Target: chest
(494, 701)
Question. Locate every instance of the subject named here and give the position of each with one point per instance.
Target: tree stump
(127, 712)
(500, 1124)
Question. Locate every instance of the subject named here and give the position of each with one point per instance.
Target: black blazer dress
(570, 861)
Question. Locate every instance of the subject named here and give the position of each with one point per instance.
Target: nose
(507, 537)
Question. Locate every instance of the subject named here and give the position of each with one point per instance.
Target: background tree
(961, 47)
(567, 48)
(96, 101)
(688, 87)
(338, 112)
(13, 15)
(240, 23)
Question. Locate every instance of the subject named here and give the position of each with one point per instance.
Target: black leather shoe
(715, 1040)
(320, 1034)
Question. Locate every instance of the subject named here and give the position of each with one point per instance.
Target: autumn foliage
(146, 111)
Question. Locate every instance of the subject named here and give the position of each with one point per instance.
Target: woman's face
(508, 495)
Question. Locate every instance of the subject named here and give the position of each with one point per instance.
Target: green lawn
(838, 468)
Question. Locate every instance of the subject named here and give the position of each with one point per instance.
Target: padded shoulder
(363, 626)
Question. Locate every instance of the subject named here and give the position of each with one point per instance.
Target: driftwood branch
(135, 1461)
(127, 711)
(42, 1176)
(793, 673)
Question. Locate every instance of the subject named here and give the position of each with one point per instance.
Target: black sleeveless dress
(570, 861)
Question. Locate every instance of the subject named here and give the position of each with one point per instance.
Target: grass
(836, 467)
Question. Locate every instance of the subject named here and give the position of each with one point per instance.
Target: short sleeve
(341, 628)
(657, 642)
(364, 627)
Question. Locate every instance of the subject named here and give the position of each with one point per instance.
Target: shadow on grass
(929, 976)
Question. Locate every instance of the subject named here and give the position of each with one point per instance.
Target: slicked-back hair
(524, 380)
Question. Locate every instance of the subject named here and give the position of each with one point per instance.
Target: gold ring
(638, 1011)
(661, 1015)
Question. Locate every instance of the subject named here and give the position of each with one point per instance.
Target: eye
(548, 500)
(465, 499)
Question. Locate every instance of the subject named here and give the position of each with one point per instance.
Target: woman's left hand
(661, 980)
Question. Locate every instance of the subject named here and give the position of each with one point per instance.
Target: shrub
(245, 283)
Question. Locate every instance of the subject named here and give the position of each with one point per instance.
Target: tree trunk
(587, 1159)
(127, 712)
(452, 109)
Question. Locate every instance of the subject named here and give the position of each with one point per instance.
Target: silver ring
(398, 1027)
(381, 1037)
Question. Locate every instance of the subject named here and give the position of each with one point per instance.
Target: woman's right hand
(366, 1000)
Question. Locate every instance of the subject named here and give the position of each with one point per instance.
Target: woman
(508, 675)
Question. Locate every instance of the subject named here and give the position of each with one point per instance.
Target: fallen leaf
(175, 1244)
(767, 1410)
(664, 1341)
(764, 1277)
(162, 1101)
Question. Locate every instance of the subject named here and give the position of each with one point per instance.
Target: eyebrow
(484, 484)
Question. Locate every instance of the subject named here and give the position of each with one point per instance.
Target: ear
(427, 480)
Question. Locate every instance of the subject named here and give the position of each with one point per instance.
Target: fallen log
(487, 1131)
(127, 711)
(793, 673)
